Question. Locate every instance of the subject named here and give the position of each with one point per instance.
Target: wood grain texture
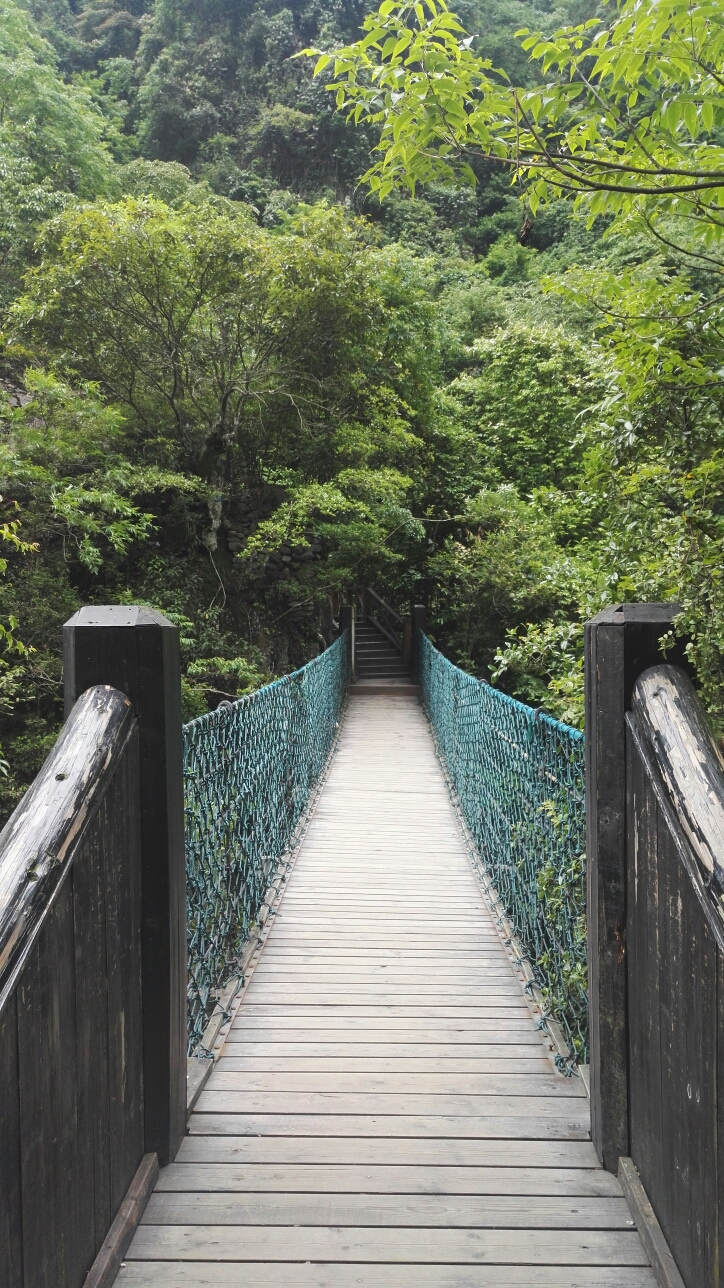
(11, 1217)
(39, 839)
(71, 1126)
(620, 643)
(674, 968)
(390, 1178)
(313, 1274)
(652, 1236)
(374, 1211)
(137, 649)
(102, 1273)
(427, 1247)
(361, 1151)
(688, 758)
(385, 1111)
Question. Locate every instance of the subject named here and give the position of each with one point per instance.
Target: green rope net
(519, 777)
(249, 768)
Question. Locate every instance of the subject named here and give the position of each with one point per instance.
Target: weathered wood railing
(656, 940)
(93, 961)
(70, 1000)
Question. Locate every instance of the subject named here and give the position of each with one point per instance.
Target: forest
(238, 379)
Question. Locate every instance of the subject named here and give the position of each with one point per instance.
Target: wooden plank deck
(384, 1112)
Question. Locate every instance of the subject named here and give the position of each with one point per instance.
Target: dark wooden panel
(674, 964)
(11, 1227)
(687, 1183)
(89, 915)
(47, 1079)
(121, 858)
(71, 1032)
(643, 956)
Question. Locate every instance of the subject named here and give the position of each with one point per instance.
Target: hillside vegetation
(236, 383)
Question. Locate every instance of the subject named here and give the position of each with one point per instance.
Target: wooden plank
(490, 968)
(370, 1151)
(312, 1274)
(344, 1084)
(652, 1236)
(339, 1012)
(425, 1246)
(378, 1211)
(414, 982)
(102, 1273)
(450, 1054)
(11, 1216)
(93, 1163)
(545, 1105)
(510, 998)
(52, 1246)
(431, 953)
(193, 1178)
(121, 855)
(337, 1065)
(438, 1126)
(381, 1027)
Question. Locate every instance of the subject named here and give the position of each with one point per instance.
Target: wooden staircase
(375, 656)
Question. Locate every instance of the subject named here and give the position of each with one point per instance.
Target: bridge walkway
(384, 1111)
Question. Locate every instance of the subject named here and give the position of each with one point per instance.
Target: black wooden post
(346, 623)
(407, 643)
(621, 642)
(136, 650)
(418, 620)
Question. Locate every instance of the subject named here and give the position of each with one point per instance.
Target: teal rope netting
(248, 773)
(519, 777)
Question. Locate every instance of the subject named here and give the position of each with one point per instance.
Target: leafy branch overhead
(626, 118)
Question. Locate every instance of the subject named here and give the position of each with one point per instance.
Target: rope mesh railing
(249, 769)
(519, 777)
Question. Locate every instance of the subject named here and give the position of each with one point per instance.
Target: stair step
(376, 658)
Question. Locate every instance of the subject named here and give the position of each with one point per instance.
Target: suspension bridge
(303, 993)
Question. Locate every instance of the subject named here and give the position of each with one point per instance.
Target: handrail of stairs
(384, 618)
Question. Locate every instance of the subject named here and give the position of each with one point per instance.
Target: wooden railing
(401, 632)
(384, 617)
(71, 1035)
(656, 941)
(675, 953)
(93, 961)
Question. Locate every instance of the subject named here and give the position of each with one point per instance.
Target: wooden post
(621, 642)
(346, 623)
(407, 643)
(418, 620)
(136, 650)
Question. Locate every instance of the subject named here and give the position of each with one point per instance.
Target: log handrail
(39, 840)
(673, 721)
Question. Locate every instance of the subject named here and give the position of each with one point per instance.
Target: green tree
(525, 398)
(51, 141)
(627, 119)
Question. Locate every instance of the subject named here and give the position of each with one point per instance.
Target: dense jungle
(236, 382)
